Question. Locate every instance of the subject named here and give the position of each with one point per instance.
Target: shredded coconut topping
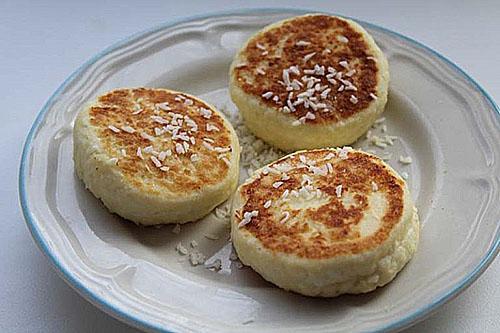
(128, 129)
(139, 153)
(156, 162)
(307, 57)
(207, 145)
(329, 167)
(302, 43)
(342, 39)
(181, 249)
(247, 217)
(226, 161)
(147, 136)
(267, 95)
(212, 127)
(343, 152)
(338, 191)
(114, 129)
(163, 106)
(206, 113)
(285, 217)
(405, 159)
(260, 71)
(277, 184)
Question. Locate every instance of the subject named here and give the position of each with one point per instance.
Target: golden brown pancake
(117, 108)
(330, 210)
(163, 145)
(311, 70)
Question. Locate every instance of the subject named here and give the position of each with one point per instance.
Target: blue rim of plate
(136, 321)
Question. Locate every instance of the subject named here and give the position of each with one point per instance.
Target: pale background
(42, 43)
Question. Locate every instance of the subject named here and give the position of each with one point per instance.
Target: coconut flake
(128, 129)
(181, 249)
(307, 57)
(163, 106)
(226, 161)
(338, 191)
(277, 184)
(212, 127)
(267, 95)
(302, 43)
(139, 153)
(147, 136)
(207, 145)
(260, 46)
(329, 167)
(285, 217)
(114, 129)
(342, 39)
(343, 152)
(247, 217)
(405, 159)
(156, 162)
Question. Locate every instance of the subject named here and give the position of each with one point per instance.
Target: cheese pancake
(308, 82)
(325, 222)
(156, 156)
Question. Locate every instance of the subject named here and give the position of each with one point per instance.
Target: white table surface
(42, 43)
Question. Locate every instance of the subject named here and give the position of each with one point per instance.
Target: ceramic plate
(442, 118)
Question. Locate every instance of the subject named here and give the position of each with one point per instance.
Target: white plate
(446, 122)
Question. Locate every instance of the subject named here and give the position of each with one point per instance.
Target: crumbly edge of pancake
(340, 275)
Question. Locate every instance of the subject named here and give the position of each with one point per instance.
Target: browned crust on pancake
(321, 31)
(356, 174)
(116, 108)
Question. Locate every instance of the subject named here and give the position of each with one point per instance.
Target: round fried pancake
(311, 81)
(325, 222)
(155, 155)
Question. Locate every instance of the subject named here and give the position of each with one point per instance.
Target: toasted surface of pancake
(151, 155)
(325, 222)
(315, 74)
